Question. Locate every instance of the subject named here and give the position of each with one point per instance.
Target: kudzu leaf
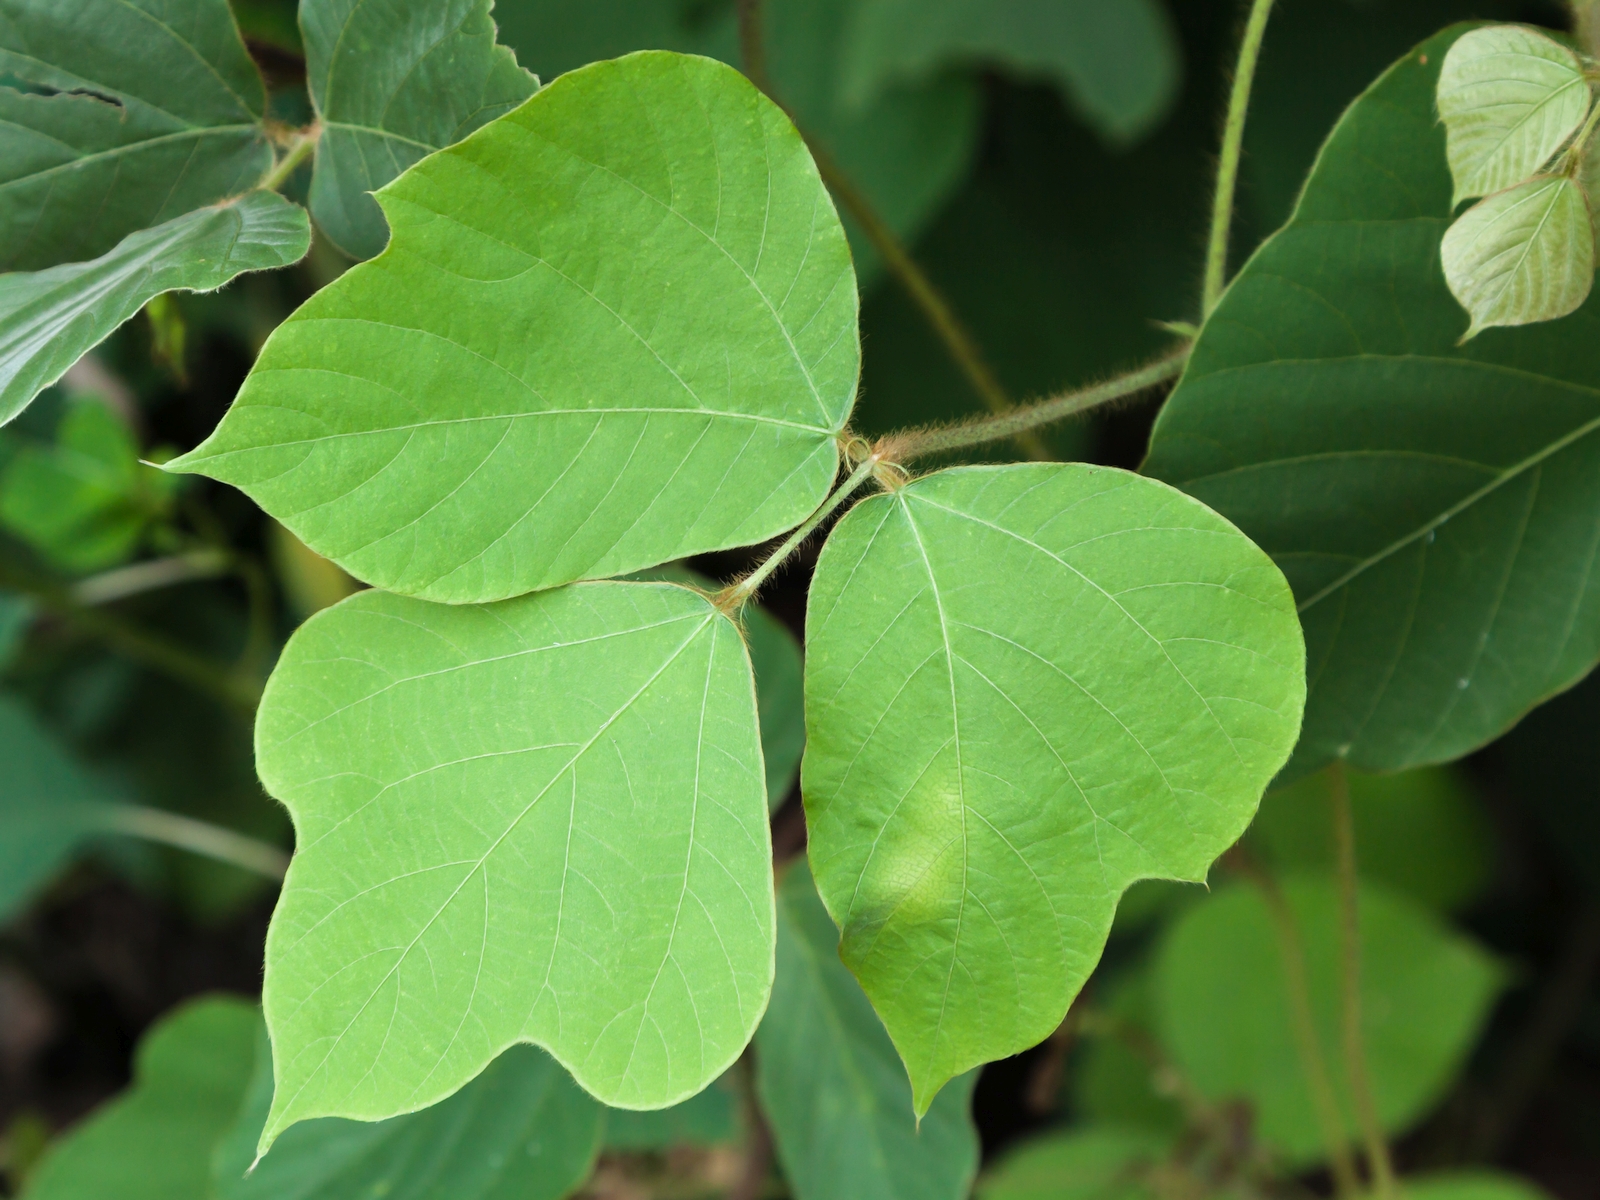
(1433, 505)
(613, 328)
(1425, 832)
(48, 806)
(520, 1131)
(1094, 1163)
(832, 1087)
(705, 1119)
(1509, 99)
(154, 1141)
(1116, 60)
(1223, 1009)
(542, 820)
(1027, 687)
(49, 319)
(1472, 1185)
(1522, 255)
(84, 502)
(116, 115)
(392, 82)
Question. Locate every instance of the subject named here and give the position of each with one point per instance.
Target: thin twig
(734, 596)
(1303, 1021)
(199, 837)
(929, 300)
(1380, 1167)
(150, 576)
(1228, 165)
(917, 443)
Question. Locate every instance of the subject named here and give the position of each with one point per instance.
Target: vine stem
(1303, 1021)
(300, 148)
(200, 837)
(1379, 1165)
(122, 582)
(929, 300)
(733, 597)
(1228, 165)
(918, 443)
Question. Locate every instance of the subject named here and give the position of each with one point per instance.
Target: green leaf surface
(48, 806)
(1472, 1185)
(130, 113)
(16, 618)
(1522, 255)
(393, 81)
(154, 1141)
(832, 1087)
(520, 1131)
(1027, 687)
(1509, 99)
(1434, 506)
(705, 1119)
(542, 820)
(1116, 60)
(1223, 1007)
(613, 328)
(51, 318)
(83, 501)
(1094, 1163)
(1425, 833)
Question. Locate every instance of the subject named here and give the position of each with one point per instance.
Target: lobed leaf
(49, 319)
(613, 328)
(1223, 1010)
(154, 1141)
(1522, 255)
(542, 820)
(832, 1087)
(117, 115)
(1116, 60)
(1433, 505)
(1027, 687)
(1509, 99)
(520, 1131)
(392, 82)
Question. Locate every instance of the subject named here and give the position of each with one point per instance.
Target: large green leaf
(612, 328)
(50, 318)
(520, 1131)
(1223, 1008)
(1116, 60)
(154, 1142)
(1434, 506)
(1522, 255)
(834, 1090)
(705, 1119)
(393, 81)
(130, 113)
(1425, 832)
(1027, 687)
(1509, 98)
(1095, 1163)
(542, 820)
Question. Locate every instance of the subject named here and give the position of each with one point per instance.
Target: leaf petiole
(300, 147)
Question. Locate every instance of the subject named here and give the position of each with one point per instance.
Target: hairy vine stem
(1379, 1166)
(733, 597)
(1303, 1021)
(199, 837)
(1228, 165)
(912, 444)
(301, 144)
(935, 308)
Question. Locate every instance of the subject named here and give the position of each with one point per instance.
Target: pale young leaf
(1509, 98)
(1523, 255)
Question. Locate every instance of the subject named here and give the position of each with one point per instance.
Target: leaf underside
(51, 318)
(138, 111)
(542, 820)
(613, 328)
(1027, 687)
(1436, 507)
